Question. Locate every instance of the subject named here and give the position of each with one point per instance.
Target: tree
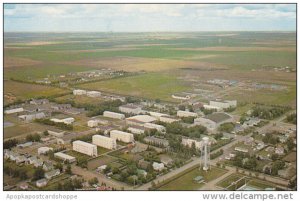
(38, 173)
(68, 169)
(93, 181)
(58, 166)
(290, 144)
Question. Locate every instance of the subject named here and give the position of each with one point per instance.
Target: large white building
(106, 142)
(68, 120)
(159, 128)
(168, 119)
(210, 107)
(157, 115)
(15, 110)
(181, 97)
(136, 129)
(93, 94)
(122, 136)
(93, 123)
(113, 115)
(56, 132)
(213, 121)
(224, 104)
(130, 109)
(79, 92)
(139, 120)
(85, 148)
(189, 143)
(65, 157)
(181, 113)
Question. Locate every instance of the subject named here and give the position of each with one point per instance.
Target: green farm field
(150, 85)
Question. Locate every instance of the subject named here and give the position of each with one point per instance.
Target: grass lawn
(150, 85)
(102, 160)
(185, 182)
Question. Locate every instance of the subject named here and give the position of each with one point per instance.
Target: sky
(148, 17)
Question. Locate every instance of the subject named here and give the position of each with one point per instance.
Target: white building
(85, 148)
(168, 119)
(15, 110)
(131, 109)
(31, 117)
(113, 115)
(93, 94)
(157, 115)
(67, 121)
(139, 120)
(213, 121)
(52, 173)
(122, 136)
(41, 183)
(224, 104)
(79, 92)
(93, 123)
(158, 166)
(181, 113)
(44, 150)
(136, 129)
(159, 128)
(65, 157)
(105, 142)
(189, 143)
(210, 107)
(56, 132)
(181, 97)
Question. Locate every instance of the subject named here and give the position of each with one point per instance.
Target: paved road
(238, 138)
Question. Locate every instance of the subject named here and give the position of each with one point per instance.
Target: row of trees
(268, 112)
(292, 118)
(15, 171)
(60, 125)
(33, 138)
(8, 144)
(178, 129)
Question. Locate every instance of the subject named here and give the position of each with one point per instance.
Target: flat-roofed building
(136, 129)
(106, 142)
(31, 117)
(181, 113)
(131, 109)
(122, 136)
(156, 141)
(139, 120)
(158, 127)
(181, 97)
(189, 143)
(157, 115)
(93, 123)
(65, 157)
(56, 132)
(113, 115)
(168, 119)
(85, 148)
(79, 92)
(15, 110)
(67, 121)
(224, 104)
(44, 150)
(210, 107)
(93, 94)
(213, 121)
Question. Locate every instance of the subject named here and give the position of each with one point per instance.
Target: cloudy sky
(149, 17)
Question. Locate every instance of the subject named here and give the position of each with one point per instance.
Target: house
(158, 166)
(241, 149)
(131, 109)
(260, 145)
(38, 163)
(47, 166)
(143, 164)
(181, 97)
(210, 107)
(52, 173)
(41, 183)
(253, 121)
(67, 121)
(279, 150)
(93, 123)
(23, 186)
(213, 121)
(21, 159)
(24, 145)
(39, 101)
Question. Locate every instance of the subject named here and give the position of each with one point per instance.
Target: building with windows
(106, 142)
(113, 115)
(85, 148)
(130, 109)
(122, 136)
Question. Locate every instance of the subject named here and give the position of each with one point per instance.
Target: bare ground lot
(15, 62)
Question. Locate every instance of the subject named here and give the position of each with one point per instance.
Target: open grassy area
(17, 90)
(150, 85)
(185, 182)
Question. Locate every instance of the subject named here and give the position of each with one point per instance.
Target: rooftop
(218, 117)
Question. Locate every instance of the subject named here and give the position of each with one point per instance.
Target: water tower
(205, 154)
